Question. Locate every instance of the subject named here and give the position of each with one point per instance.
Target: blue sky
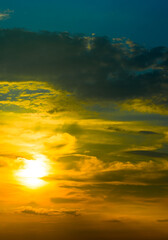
(144, 22)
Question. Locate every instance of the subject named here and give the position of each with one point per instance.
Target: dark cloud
(121, 130)
(162, 220)
(152, 154)
(106, 71)
(112, 176)
(73, 129)
(148, 132)
(120, 192)
(35, 212)
(156, 178)
(149, 175)
(48, 212)
(66, 200)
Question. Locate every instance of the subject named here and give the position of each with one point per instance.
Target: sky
(83, 120)
(144, 22)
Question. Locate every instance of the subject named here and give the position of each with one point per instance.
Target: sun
(32, 172)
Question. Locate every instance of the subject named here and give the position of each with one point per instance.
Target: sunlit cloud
(5, 14)
(83, 130)
(46, 212)
(32, 171)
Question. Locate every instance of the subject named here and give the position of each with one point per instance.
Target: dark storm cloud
(106, 71)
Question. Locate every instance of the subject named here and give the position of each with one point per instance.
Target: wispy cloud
(5, 14)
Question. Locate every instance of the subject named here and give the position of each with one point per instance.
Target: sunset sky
(83, 120)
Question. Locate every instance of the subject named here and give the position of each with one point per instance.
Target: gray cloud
(107, 71)
(121, 130)
(153, 154)
(48, 212)
(148, 132)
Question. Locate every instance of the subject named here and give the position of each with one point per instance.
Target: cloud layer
(115, 71)
(92, 112)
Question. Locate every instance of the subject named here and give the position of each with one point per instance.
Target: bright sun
(32, 173)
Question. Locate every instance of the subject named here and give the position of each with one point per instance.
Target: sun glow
(32, 172)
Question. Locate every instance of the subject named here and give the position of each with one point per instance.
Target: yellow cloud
(144, 106)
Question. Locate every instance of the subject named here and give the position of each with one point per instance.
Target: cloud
(151, 154)
(92, 170)
(162, 220)
(111, 192)
(66, 200)
(149, 176)
(126, 131)
(112, 176)
(71, 212)
(32, 211)
(26, 96)
(47, 212)
(107, 72)
(148, 132)
(5, 14)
